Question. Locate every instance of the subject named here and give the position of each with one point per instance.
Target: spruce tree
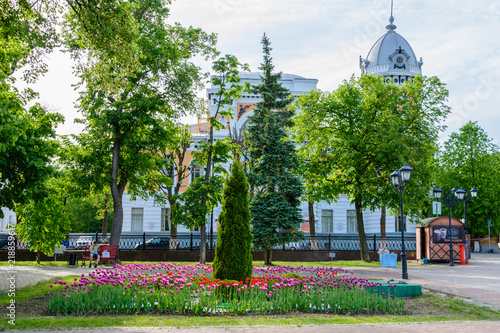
(275, 204)
(233, 258)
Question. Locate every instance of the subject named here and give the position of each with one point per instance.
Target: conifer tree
(275, 204)
(233, 258)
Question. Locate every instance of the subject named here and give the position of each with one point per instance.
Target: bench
(111, 253)
(59, 249)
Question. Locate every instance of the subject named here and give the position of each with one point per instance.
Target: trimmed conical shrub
(233, 257)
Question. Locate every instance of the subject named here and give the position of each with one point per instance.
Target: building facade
(9, 218)
(391, 56)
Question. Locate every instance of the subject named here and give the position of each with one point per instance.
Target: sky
(323, 40)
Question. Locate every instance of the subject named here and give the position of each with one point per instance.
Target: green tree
(103, 35)
(87, 213)
(233, 257)
(130, 121)
(227, 79)
(470, 159)
(275, 205)
(27, 135)
(173, 176)
(89, 192)
(198, 200)
(313, 175)
(212, 155)
(26, 163)
(28, 31)
(365, 130)
(44, 223)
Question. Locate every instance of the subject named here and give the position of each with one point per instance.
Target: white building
(9, 217)
(391, 56)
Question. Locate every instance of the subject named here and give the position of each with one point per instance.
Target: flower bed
(169, 288)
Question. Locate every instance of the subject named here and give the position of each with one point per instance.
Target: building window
(165, 219)
(137, 219)
(327, 220)
(352, 222)
(397, 226)
(195, 173)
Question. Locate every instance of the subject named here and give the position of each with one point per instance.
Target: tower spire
(391, 25)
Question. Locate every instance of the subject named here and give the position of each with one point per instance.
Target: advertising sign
(441, 233)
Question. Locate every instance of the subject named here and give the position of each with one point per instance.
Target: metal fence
(191, 242)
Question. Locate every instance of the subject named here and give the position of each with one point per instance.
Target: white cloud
(323, 40)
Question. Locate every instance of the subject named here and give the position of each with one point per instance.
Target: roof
(386, 46)
(391, 55)
(429, 220)
(256, 76)
(426, 222)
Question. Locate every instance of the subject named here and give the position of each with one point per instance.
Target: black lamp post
(400, 179)
(469, 195)
(449, 201)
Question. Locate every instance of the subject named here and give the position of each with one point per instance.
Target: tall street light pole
(469, 195)
(449, 201)
(399, 180)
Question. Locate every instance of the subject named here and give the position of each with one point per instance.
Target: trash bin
(463, 255)
(72, 259)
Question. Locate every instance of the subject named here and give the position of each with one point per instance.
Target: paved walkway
(449, 327)
(479, 282)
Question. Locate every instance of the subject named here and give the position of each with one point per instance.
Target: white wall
(8, 217)
(152, 213)
(371, 219)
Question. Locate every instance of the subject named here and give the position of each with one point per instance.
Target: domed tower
(392, 57)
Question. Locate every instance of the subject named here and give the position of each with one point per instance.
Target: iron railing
(191, 242)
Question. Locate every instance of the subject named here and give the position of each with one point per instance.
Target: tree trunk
(252, 188)
(105, 220)
(363, 245)
(312, 226)
(203, 241)
(38, 256)
(117, 193)
(173, 228)
(268, 256)
(383, 215)
(116, 230)
(173, 237)
(203, 230)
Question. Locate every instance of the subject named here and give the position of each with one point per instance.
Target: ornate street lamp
(399, 180)
(468, 195)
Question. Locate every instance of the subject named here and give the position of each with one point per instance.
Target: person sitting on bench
(93, 254)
